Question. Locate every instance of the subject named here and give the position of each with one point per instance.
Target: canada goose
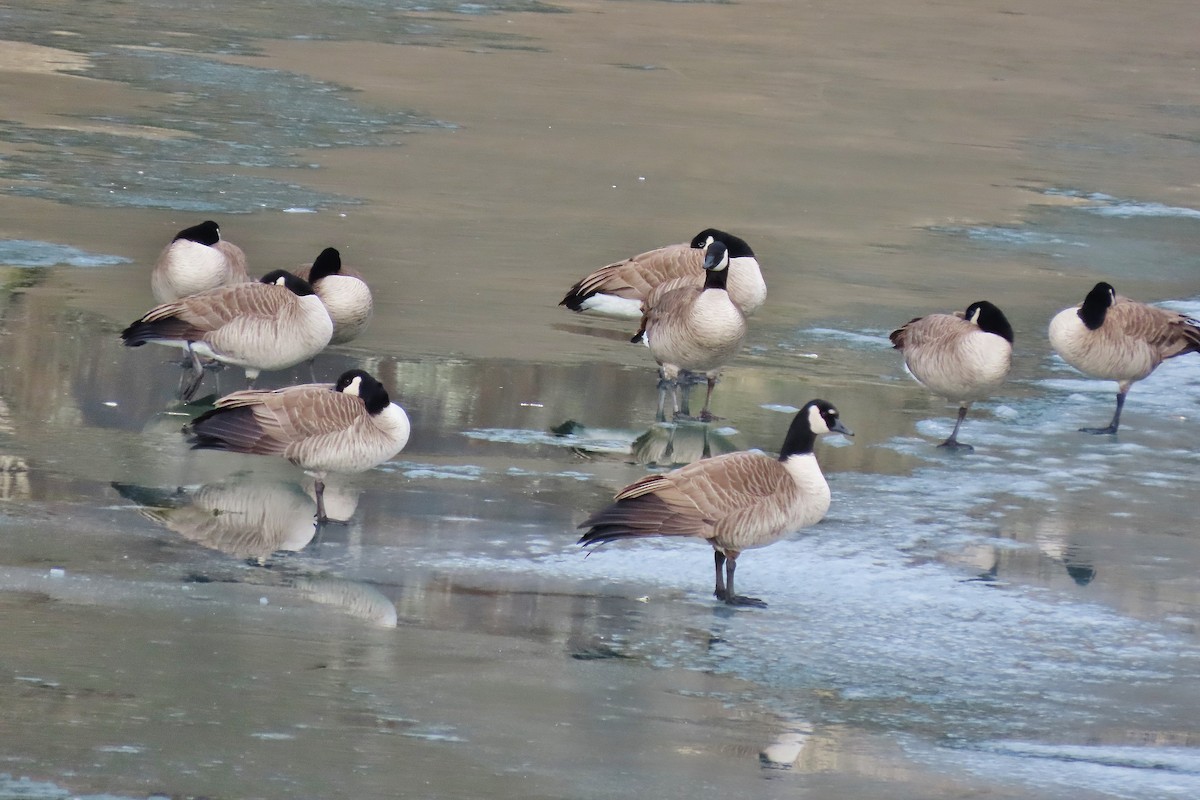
(344, 293)
(1112, 337)
(964, 356)
(618, 290)
(696, 329)
(197, 260)
(735, 501)
(273, 324)
(349, 426)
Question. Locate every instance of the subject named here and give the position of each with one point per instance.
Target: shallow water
(1019, 622)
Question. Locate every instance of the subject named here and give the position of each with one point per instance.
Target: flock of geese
(691, 302)
(210, 308)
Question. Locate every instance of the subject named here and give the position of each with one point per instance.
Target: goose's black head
(360, 384)
(736, 246)
(329, 262)
(1096, 304)
(206, 232)
(990, 319)
(817, 417)
(281, 277)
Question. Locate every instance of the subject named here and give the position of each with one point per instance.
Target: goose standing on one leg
(618, 289)
(348, 426)
(344, 293)
(735, 501)
(695, 329)
(273, 324)
(1112, 337)
(197, 260)
(964, 356)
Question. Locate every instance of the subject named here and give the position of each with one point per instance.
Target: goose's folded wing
(635, 277)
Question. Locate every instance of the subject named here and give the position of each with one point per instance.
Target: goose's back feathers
(251, 324)
(1132, 341)
(953, 356)
(618, 288)
(312, 425)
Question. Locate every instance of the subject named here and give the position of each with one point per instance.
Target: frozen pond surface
(1020, 622)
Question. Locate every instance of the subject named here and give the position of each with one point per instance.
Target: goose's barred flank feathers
(233, 428)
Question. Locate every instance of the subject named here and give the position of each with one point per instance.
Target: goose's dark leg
(187, 388)
(719, 588)
(732, 598)
(705, 414)
(319, 491)
(953, 443)
(1116, 420)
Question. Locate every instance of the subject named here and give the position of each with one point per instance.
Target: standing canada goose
(964, 356)
(619, 289)
(273, 324)
(696, 329)
(735, 501)
(1112, 337)
(197, 260)
(344, 293)
(348, 426)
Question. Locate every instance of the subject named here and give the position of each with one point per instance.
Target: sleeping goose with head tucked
(349, 426)
(345, 294)
(197, 260)
(735, 502)
(964, 356)
(273, 324)
(1112, 337)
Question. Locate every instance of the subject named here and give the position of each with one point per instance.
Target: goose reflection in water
(256, 519)
(245, 519)
(664, 444)
(675, 445)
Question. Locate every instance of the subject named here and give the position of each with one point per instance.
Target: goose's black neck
(800, 438)
(716, 278)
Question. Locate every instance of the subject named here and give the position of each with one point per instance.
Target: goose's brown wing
(923, 330)
(268, 422)
(635, 277)
(701, 499)
(1169, 332)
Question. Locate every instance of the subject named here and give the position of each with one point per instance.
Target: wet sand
(833, 136)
